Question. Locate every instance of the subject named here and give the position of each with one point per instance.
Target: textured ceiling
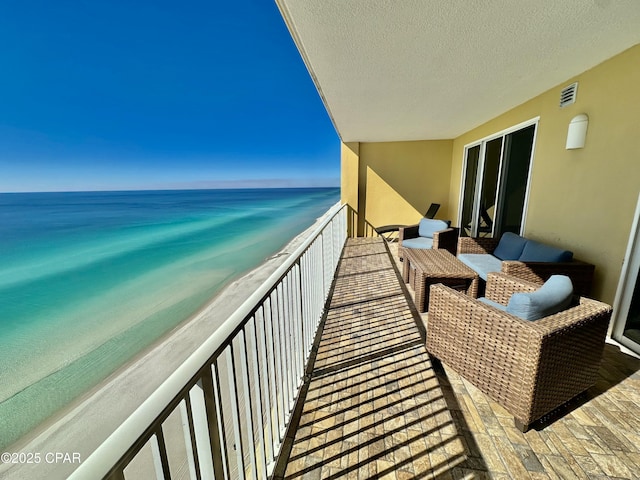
(427, 69)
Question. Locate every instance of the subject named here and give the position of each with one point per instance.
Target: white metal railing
(224, 412)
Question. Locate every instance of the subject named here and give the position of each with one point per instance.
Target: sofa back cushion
(539, 252)
(429, 226)
(510, 246)
(552, 297)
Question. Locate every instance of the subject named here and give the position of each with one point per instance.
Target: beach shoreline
(82, 426)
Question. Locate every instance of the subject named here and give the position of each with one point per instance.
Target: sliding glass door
(626, 309)
(469, 187)
(495, 183)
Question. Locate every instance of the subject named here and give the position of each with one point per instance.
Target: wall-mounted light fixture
(577, 132)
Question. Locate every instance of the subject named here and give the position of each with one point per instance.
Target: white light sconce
(577, 133)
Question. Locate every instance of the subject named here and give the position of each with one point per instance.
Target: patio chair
(427, 234)
(390, 232)
(433, 209)
(528, 367)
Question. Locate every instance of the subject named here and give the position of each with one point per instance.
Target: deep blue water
(87, 280)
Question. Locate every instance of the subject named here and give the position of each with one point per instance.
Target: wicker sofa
(581, 273)
(528, 367)
(428, 234)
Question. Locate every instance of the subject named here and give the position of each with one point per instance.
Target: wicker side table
(423, 268)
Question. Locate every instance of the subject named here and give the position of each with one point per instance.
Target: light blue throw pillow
(429, 226)
(552, 297)
(510, 246)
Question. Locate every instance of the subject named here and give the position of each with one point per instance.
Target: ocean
(89, 279)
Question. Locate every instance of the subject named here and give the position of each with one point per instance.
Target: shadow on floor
(616, 367)
(374, 404)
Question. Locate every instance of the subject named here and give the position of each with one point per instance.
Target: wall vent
(568, 95)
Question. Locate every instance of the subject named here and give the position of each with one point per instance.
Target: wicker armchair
(530, 368)
(446, 239)
(581, 273)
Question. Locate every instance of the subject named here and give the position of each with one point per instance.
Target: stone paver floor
(376, 408)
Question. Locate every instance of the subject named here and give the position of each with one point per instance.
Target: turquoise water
(87, 280)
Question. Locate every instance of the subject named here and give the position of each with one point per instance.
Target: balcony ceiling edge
(427, 69)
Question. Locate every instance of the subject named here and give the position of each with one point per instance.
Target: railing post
(272, 374)
(303, 340)
(215, 421)
(159, 449)
(248, 398)
(235, 409)
(281, 383)
(188, 429)
(263, 393)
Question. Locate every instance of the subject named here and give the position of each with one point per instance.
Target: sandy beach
(80, 428)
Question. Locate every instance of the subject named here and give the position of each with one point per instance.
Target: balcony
(290, 390)
(376, 407)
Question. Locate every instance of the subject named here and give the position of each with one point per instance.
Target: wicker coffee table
(423, 268)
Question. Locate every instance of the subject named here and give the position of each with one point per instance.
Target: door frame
(482, 143)
(626, 285)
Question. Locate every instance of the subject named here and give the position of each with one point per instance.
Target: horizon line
(17, 192)
(326, 182)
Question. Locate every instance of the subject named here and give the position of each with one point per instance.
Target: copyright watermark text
(38, 457)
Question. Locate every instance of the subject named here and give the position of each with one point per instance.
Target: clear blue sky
(103, 95)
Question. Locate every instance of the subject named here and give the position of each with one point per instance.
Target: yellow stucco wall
(583, 200)
(401, 179)
(349, 174)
